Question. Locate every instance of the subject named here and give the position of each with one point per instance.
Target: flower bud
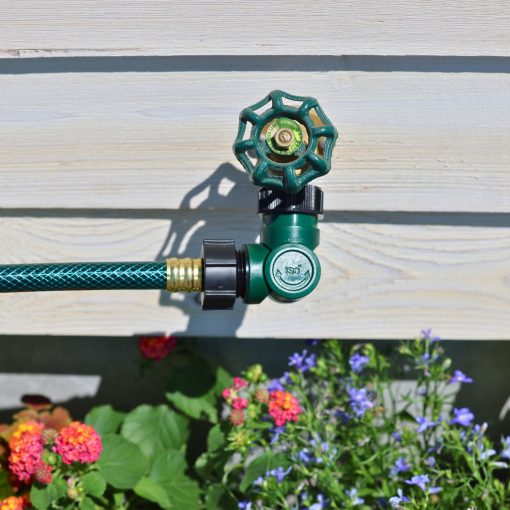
(43, 473)
(262, 395)
(254, 373)
(236, 417)
(72, 493)
(48, 436)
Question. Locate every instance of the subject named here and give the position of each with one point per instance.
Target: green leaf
(104, 419)
(5, 486)
(218, 498)
(150, 490)
(223, 380)
(168, 472)
(260, 465)
(94, 484)
(190, 374)
(122, 464)
(202, 408)
(87, 504)
(168, 463)
(43, 496)
(216, 439)
(155, 429)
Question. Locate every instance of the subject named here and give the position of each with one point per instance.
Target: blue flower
(275, 385)
(358, 362)
(424, 424)
(304, 456)
(485, 454)
(400, 498)
(355, 500)
(505, 443)
(462, 417)
(421, 481)
(258, 481)
(302, 362)
(244, 505)
(426, 334)
(279, 473)
(321, 503)
(431, 461)
(460, 377)
(400, 466)
(360, 401)
(277, 431)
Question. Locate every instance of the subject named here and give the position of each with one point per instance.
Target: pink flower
(78, 443)
(239, 383)
(226, 393)
(240, 403)
(283, 407)
(26, 448)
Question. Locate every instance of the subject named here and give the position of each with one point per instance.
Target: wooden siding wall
(116, 126)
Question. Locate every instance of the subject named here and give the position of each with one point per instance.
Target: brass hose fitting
(184, 275)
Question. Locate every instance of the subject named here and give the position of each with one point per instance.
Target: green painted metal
(278, 229)
(83, 276)
(288, 173)
(256, 289)
(292, 271)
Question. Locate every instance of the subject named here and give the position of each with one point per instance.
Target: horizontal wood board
(409, 141)
(380, 280)
(35, 28)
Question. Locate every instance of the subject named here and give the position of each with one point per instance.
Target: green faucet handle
(285, 141)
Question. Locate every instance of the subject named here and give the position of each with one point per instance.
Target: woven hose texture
(83, 276)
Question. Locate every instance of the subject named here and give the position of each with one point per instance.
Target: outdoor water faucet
(283, 142)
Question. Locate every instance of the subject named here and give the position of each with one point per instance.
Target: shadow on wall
(225, 190)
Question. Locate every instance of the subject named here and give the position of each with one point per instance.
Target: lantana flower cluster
(14, 503)
(157, 347)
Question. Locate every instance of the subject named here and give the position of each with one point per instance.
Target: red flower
(283, 407)
(156, 347)
(78, 443)
(43, 473)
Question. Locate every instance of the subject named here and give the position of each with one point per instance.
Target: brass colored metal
(284, 138)
(184, 275)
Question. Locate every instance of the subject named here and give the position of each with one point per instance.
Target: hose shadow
(205, 212)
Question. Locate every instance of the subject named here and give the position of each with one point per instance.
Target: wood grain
(408, 141)
(379, 280)
(31, 28)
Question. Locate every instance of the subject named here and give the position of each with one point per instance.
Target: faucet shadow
(214, 209)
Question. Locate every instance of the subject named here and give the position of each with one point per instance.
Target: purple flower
(275, 385)
(396, 436)
(421, 481)
(426, 334)
(320, 505)
(400, 466)
(485, 454)
(431, 461)
(360, 401)
(355, 500)
(459, 377)
(358, 362)
(244, 505)
(304, 456)
(400, 498)
(462, 417)
(276, 433)
(279, 473)
(424, 424)
(302, 362)
(505, 443)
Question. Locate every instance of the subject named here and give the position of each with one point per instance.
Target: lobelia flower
(400, 466)
(279, 473)
(421, 481)
(360, 401)
(156, 348)
(424, 424)
(459, 377)
(276, 431)
(78, 442)
(358, 362)
(320, 505)
(302, 362)
(399, 498)
(354, 499)
(426, 334)
(244, 505)
(431, 461)
(305, 456)
(485, 454)
(505, 444)
(283, 407)
(26, 448)
(462, 417)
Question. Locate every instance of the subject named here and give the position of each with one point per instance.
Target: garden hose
(283, 142)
